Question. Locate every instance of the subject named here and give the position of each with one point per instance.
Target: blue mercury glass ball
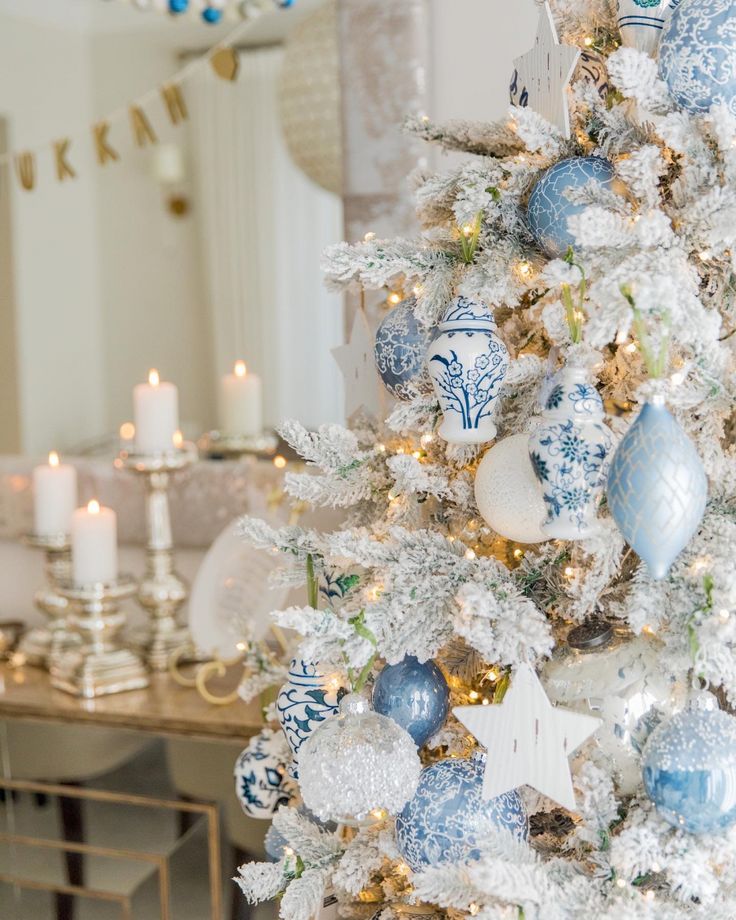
(549, 209)
(448, 815)
(697, 54)
(401, 346)
(689, 770)
(414, 695)
(178, 6)
(211, 15)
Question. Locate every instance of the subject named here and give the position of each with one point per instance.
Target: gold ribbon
(64, 169)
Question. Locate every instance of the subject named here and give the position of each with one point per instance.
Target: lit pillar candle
(240, 403)
(156, 413)
(54, 496)
(94, 545)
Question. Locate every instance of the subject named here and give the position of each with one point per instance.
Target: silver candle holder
(42, 643)
(161, 592)
(101, 665)
(216, 445)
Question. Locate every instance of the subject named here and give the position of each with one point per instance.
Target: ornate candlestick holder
(42, 643)
(162, 591)
(100, 665)
(218, 446)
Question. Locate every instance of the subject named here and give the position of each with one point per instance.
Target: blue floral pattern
(401, 344)
(259, 775)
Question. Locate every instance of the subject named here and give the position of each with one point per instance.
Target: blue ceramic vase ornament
(448, 815)
(689, 770)
(569, 453)
(641, 22)
(657, 487)
(414, 695)
(259, 775)
(697, 55)
(401, 344)
(549, 208)
(303, 703)
(467, 363)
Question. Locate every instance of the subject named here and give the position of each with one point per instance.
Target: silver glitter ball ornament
(358, 765)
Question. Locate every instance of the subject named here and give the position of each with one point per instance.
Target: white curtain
(264, 226)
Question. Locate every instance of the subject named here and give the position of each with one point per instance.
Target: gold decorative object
(162, 591)
(225, 63)
(174, 101)
(63, 168)
(40, 644)
(143, 133)
(309, 98)
(105, 152)
(25, 167)
(101, 665)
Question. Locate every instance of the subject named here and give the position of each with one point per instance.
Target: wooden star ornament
(541, 75)
(528, 739)
(363, 387)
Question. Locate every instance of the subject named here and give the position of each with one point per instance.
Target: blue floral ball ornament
(448, 815)
(415, 695)
(689, 770)
(549, 208)
(697, 54)
(401, 345)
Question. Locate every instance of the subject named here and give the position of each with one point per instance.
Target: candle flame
(53, 458)
(240, 369)
(153, 377)
(127, 431)
(177, 438)
(93, 507)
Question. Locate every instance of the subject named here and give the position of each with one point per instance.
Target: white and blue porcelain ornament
(448, 817)
(640, 22)
(259, 775)
(415, 695)
(401, 346)
(657, 487)
(689, 770)
(697, 55)
(549, 207)
(304, 702)
(569, 452)
(467, 363)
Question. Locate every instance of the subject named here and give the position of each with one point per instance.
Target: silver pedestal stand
(216, 445)
(101, 665)
(162, 591)
(42, 643)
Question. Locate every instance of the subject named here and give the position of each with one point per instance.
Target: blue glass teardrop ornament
(415, 695)
(657, 487)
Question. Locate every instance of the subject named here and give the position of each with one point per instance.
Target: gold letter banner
(25, 166)
(175, 104)
(142, 130)
(63, 169)
(224, 62)
(104, 151)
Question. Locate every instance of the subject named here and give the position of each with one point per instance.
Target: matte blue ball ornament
(448, 815)
(401, 344)
(657, 487)
(689, 770)
(415, 695)
(697, 55)
(549, 208)
(178, 6)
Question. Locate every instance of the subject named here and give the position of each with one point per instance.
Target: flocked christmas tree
(535, 580)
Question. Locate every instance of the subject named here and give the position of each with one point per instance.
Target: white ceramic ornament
(528, 739)
(507, 493)
(259, 774)
(641, 22)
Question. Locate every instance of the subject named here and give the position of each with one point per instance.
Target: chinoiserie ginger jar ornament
(657, 487)
(569, 453)
(401, 344)
(304, 702)
(259, 774)
(641, 22)
(467, 363)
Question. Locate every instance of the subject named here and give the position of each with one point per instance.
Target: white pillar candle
(94, 545)
(240, 403)
(156, 414)
(54, 497)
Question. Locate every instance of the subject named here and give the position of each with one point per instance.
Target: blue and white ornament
(549, 208)
(259, 775)
(401, 346)
(569, 452)
(641, 22)
(467, 363)
(689, 770)
(415, 695)
(657, 487)
(304, 702)
(448, 816)
(591, 68)
(697, 55)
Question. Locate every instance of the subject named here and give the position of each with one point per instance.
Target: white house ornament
(363, 389)
(259, 774)
(528, 739)
(640, 22)
(543, 74)
(569, 453)
(467, 362)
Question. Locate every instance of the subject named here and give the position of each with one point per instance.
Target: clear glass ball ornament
(358, 766)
